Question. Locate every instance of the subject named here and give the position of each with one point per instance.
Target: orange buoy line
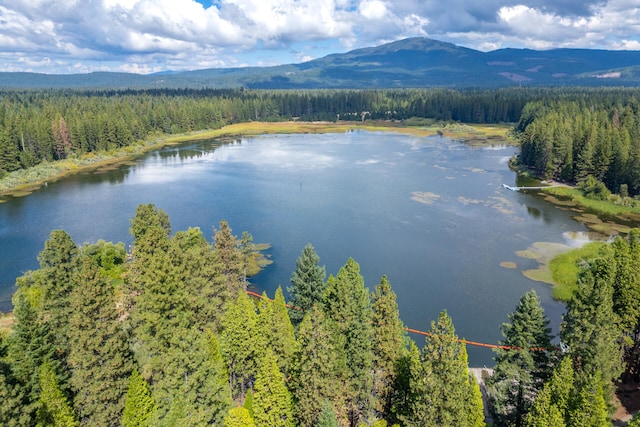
(416, 331)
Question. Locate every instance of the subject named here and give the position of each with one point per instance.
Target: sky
(147, 36)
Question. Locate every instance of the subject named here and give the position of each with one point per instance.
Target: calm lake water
(430, 213)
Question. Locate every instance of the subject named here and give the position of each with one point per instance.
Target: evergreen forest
(164, 334)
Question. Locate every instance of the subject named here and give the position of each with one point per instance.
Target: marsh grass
(565, 269)
(600, 206)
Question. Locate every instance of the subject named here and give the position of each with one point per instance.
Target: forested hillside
(164, 335)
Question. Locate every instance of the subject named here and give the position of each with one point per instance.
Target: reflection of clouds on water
(504, 160)
(274, 156)
(367, 162)
(474, 170)
(577, 239)
(495, 147)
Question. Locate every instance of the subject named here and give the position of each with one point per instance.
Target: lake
(429, 212)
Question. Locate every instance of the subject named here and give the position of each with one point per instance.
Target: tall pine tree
(272, 404)
(99, 358)
(347, 304)
(307, 283)
(318, 364)
(139, 405)
(520, 374)
(276, 329)
(451, 390)
(389, 343)
(590, 327)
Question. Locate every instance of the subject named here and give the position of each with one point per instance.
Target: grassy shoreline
(24, 182)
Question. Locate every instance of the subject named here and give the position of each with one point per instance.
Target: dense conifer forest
(164, 334)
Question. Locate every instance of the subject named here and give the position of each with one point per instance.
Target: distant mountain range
(414, 62)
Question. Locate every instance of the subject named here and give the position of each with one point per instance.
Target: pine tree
(99, 357)
(277, 330)
(317, 367)
(307, 283)
(626, 286)
(58, 265)
(590, 327)
(226, 247)
(327, 416)
(197, 269)
(12, 411)
(474, 403)
(55, 409)
(561, 386)
(412, 403)
(449, 385)
(190, 371)
(389, 341)
(241, 343)
(139, 405)
(589, 407)
(239, 417)
(347, 304)
(29, 346)
(272, 405)
(544, 412)
(520, 374)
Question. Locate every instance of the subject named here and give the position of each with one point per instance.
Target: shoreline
(25, 181)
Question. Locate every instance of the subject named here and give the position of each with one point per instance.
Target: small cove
(428, 212)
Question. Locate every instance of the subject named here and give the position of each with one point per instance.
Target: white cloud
(149, 35)
(373, 9)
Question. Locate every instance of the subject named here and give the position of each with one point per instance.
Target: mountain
(414, 62)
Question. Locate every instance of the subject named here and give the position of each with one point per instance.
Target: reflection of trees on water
(534, 212)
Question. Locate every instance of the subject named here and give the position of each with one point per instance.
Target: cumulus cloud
(151, 35)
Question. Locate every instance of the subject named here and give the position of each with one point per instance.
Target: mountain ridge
(412, 62)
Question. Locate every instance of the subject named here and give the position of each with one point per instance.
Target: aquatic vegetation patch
(508, 264)
(501, 204)
(468, 201)
(543, 253)
(425, 197)
(609, 228)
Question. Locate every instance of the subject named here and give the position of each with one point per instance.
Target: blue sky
(145, 36)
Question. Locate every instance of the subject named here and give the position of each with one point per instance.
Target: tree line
(49, 125)
(165, 334)
(575, 138)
